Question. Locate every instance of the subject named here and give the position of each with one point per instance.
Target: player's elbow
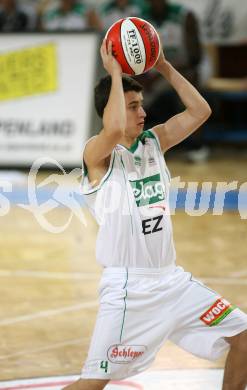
(204, 113)
(208, 111)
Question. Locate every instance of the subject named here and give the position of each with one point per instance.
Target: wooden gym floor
(48, 282)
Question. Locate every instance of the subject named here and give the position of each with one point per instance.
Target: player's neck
(128, 141)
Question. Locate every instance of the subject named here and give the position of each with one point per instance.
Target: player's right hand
(110, 63)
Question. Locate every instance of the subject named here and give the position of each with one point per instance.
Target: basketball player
(145, 299)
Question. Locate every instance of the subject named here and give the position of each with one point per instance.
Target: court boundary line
(47, 348)
(49, 275)
(228, 280)
(65, 382)
(48, 313)
(138, 381)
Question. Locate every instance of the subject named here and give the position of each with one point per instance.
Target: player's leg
(235, 376)
(208, 325)
(124, 344)
(87, 384)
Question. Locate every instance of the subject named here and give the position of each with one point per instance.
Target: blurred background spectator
(12, 18)
(114, 10)
(180, 38)
(68, 15)
(179, 34)
(30, 7)
(205, 41)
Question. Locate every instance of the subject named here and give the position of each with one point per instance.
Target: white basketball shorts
(142, 308)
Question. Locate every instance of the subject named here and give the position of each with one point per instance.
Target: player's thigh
(205, 321)
(238, 341)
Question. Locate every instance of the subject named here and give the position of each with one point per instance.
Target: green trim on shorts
(125, 306)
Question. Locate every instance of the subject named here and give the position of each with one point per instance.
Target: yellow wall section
(28, 72)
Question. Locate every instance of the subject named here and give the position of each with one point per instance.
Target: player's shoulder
(89, 140)
(150, 138)
(148, 135)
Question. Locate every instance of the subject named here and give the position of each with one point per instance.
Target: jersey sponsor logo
(123, 354)
(148, 190)
(217, 312)
(152, 225)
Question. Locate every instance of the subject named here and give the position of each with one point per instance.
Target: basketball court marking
(48, 313)
(225, 281)
(49, 275)
(195, 379)
(239, 273)
(49, 347)
(230, 280)
(57, 382)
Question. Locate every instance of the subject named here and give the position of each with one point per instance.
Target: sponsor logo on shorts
(123, 354)
(217, 312)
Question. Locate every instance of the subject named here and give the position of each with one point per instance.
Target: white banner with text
(46, 92)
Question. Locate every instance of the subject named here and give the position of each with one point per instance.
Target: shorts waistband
(139, 271)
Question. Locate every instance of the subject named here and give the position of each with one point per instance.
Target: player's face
(135, 113)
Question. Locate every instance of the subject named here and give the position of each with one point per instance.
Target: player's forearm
(189, 95)
(114, 118)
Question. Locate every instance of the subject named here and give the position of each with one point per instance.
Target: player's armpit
(179, 127)
(100, 147)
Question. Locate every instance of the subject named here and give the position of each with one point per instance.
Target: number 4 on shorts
(104, 365)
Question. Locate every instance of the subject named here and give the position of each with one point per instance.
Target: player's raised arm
(114, 114)
(196, 113)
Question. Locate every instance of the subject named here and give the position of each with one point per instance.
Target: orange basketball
(136, 44)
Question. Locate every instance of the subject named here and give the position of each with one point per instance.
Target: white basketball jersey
(131, 206)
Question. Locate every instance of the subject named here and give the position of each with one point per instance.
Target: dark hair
(103, 88)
